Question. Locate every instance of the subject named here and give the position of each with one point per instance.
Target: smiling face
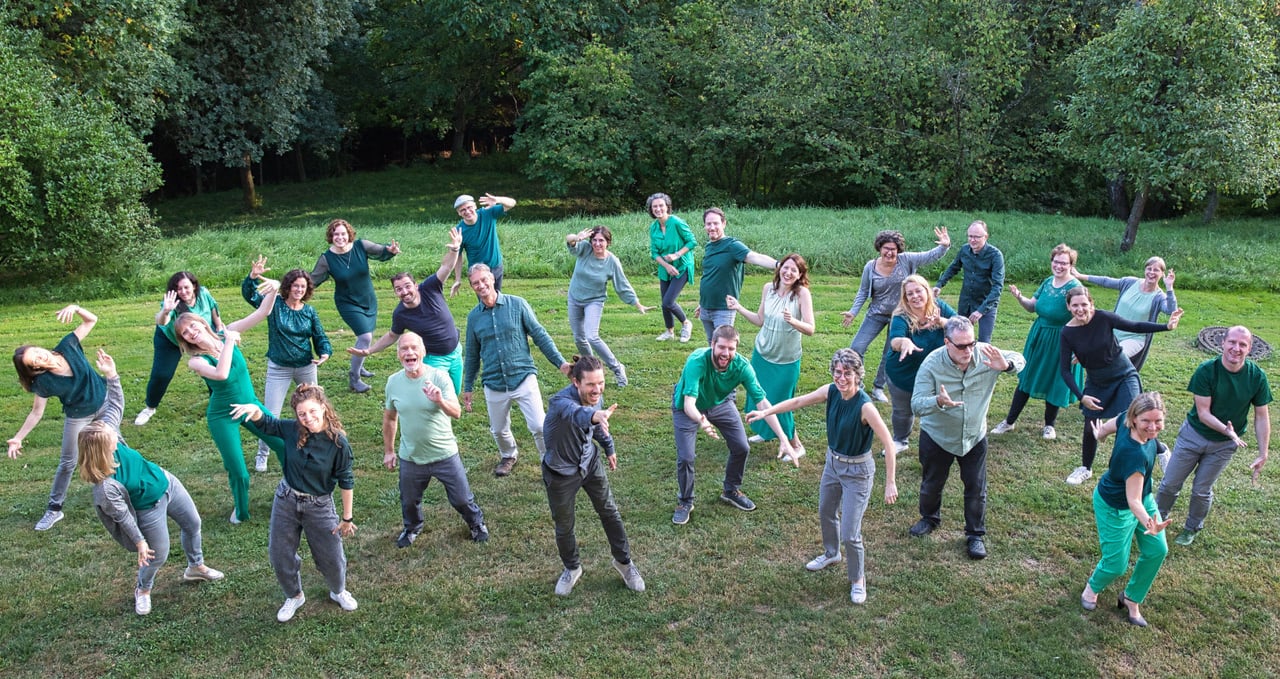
(889, 253)
(298, 290)
(590, 387)
(917, 295)
(1236, 347)
(660, 210)
(341, 237)
(845, 379)
(482, 284)
(1081, 308)
(714, 224)
(1153, 272)
(186, 292)
(193, 331)
(467, 211)
(39, 360)
(1148, 425)
(410, 350)
(599, 245)
(1060, 265)
(788, 273)
(407, 290)
(722, 352)
(310, 415)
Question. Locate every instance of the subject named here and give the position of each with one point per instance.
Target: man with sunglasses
(952, 393)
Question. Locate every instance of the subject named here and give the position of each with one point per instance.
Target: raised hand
(170, 301)
(995, 359)
(394, 247)
(67, 313)
(943, 238)
(258, 267)
(232, 336)
(433, 393)
(455, 237)
(246, 411)
(1173, 319)
(106, 364)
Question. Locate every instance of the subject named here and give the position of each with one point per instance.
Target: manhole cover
(1210, 339)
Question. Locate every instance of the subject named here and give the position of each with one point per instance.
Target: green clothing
(710, 386)
(957, 429)
(847, 434)
(480, 240)
(666, 241)
(721, 272)
(426, 432)
(145, 480)
(293, 337)
(353, 293)
(1041, 378)
(1128, 457)
(778, 341)
(83, 392)
(316, 467)
(591, 276)
(1136, 304)
(498, 336)
(983, 278)
(204, 307)
(1231, 395)
(903, 372)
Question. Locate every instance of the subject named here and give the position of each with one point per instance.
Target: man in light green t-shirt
(426, 398)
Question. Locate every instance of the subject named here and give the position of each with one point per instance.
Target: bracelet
(348, 520)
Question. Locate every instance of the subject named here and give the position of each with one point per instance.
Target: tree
(1180, 98)
(72, 174)
(253, 69)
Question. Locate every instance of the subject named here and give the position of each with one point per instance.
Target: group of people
(938, 366)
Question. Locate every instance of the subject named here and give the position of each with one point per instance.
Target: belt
(849, 460)
(290, 491)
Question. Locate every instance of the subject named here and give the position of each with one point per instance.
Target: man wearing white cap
(480, 235)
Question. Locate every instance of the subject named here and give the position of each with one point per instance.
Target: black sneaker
(681, 515)
(738, 499)
(407, 537)
(921, 529)
(480, 533)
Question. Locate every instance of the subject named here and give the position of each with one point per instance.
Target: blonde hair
(931, 312)
(1142, 403)
(183, 321)
(315, 392)
(97, 451)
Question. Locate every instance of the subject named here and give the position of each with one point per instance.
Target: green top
(498, 337)
(204, 307)
(711, 387)
(293, 336)
(591, 276)
(353, 293)
(237, 388)
(664, 242)
(1135, 304)
(721, 272)
(847, 434)
(426, 434)
(82, 392)
(778, 342)
(145, 480)
(959, 428)
(314, 468)
(1231, 395)
(480, 240)
(1127, 458)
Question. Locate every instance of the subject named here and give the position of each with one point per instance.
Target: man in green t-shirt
(702, 400)
(1224, 389)
(722, 272)
(426, 398)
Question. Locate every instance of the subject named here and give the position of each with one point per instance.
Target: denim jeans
(278, 379)
(291, 514)
(562, 491)
(69, 456)
(712, 319)
(872, 326)
(726, 420)
(529, 398)
(671, 311)
(584, 323)
(902, 418)
(843, 495)
(414, 479)
(154, 524)
(1193, 452)
(935, 467)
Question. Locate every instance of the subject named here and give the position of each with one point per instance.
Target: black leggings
(1020, 399)
(1088, 444)
(671, 311)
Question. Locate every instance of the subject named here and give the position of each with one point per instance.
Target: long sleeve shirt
(293, 336)
(316, 467)
(571, 436)
(1094, 345)
(983, 278)
(884, 291)
(498, 337)
(591, 276)
(957, 429)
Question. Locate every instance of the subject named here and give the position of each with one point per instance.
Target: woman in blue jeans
(881, 286)
(66, 374)
(588, 287)
(845, 490)
(135, 497)
(671, 245)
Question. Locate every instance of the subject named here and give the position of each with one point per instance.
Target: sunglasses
(963, 347)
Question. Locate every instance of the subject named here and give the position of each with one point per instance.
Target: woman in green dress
(1041, 379)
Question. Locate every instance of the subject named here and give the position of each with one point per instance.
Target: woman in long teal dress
(218, 360)
(347, 263)
(1041, 379)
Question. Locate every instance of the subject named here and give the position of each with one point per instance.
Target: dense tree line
(1080, 106)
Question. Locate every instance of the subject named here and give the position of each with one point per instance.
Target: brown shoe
(505, 465)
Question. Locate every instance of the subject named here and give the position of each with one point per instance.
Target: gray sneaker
(50, 517)
(681, 515)
(630, 575)
(480, 533)
(260, 462)
(738, 499)
(569, 578)
(621, 377)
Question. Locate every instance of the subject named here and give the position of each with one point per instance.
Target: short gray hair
(480, 267)
(955, 325)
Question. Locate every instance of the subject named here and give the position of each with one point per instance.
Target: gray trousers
(414, 479)
(562, 492)
(529, 399)
(843, 495)
(1193, 452)
(872, 326)
(175, 504)
(726, 420)
(584, 323)
(69, 456)
(902, 417)
(291, 514)
(278, 379)
(712, 319)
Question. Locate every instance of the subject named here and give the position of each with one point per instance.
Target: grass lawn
(727, 594)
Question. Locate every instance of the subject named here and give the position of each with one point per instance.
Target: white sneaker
(194, 573)
(1002, 428)
(144, 417)
(345, 600)
(686, 330)
(291, 606)
(234, 520)
(666, 335)
(630, 575)
(858, 594)
(899, 446)
(260, 462)
(1079, 476)
(50, 517)
(569, 578)
(1049, 433)
(141, 602)
(799, 453)
(821, 561)
(755, 438)
(878, 394)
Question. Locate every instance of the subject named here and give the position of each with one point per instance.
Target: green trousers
(226, 436)
(1117, 529)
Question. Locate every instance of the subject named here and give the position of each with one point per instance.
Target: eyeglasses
(963, 347)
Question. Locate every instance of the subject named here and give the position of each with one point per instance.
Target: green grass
(727, 593)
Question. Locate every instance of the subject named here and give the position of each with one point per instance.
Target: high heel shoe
(1136, 620)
